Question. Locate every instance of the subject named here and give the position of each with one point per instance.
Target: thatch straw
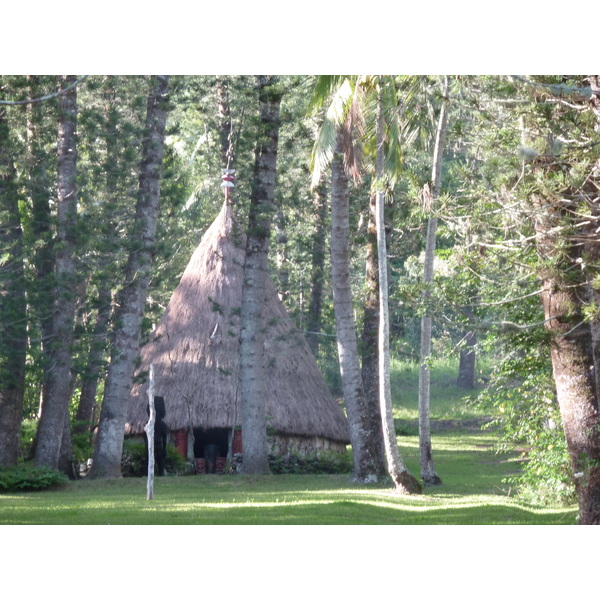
(195, 352)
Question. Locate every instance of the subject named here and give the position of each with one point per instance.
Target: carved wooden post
(149, 429)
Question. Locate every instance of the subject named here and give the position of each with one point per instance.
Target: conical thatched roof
(195, 350)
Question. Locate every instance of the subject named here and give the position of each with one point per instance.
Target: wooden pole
(149, 429)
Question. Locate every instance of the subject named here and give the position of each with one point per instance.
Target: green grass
(472, 493)
(448, 401)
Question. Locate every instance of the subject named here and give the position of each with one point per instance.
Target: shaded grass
(448, 401)
(473, 489)
(472, 493)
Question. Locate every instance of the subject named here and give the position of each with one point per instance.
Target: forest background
(178, 198)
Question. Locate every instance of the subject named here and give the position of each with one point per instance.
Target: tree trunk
(58, 387)
(564, 285)
(317, 273)
(592, 247)
(149, 429)
(365, 441)
(38, 184)
(130, 312)
(105, 278)
(252, 366)
(403, 480)
(466, 364)
(428, 472)
(13, 328)
(572, 365)
(225, 123)
(569, 268)
(86, 409)
(370, 336)
(283, 273)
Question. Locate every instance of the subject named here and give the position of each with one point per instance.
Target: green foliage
(134, 462)
(27, 437)
(522, 394)
(323, 462)
(82, 443)
(26, 478)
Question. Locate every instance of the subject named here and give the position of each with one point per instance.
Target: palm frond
(335, 117)
(324, 88)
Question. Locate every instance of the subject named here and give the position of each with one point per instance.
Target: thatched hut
(195, 350)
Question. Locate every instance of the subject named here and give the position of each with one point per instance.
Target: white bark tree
(403, 480)
(364, 447)
(428, 472)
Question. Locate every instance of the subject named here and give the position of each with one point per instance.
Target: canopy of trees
(107, 183)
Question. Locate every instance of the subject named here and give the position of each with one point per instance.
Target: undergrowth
(26, 478)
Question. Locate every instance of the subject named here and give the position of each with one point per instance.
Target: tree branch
(43, 98)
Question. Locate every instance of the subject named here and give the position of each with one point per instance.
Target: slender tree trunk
(281, 240)
(428, 472)
(252, 367)
(403, 480)
(109, 444)
(225, 123)
(592, 247)
(466, 364)
(58, 389)
(86, 409)
(468, 355)
(13, 328)
(41, 293)
(317, 274)
(370, 333)
(105, 277)
(365, 442)
(150, 436)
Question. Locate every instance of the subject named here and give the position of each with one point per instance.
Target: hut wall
(282, 445)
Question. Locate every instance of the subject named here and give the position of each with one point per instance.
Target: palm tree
(348, 124)
(402, 479)
(335, 148)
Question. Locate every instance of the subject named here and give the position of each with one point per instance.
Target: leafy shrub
(27, 437)
(23, 478)
(82, 443)
(324, 462)
(522, 394)
(134, 462)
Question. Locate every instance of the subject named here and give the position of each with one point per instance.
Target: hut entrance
(210, 449)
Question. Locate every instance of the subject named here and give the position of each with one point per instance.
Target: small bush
(324, 462)
(25, 478)
(27, 438)
(134, 462)
(522, 395)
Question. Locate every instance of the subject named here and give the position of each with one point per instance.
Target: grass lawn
(473, 490)
(472, 493)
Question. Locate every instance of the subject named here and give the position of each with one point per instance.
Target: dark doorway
(211, 445)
